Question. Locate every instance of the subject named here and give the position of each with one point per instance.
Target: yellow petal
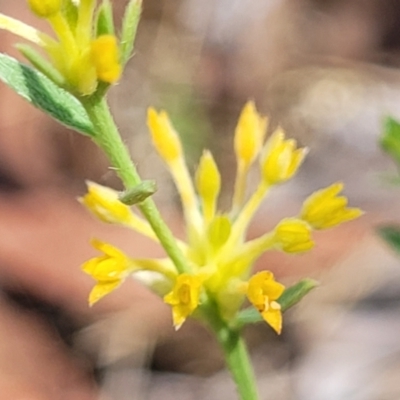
(208, 184)
(105, 57)
(273, 317)
(113, 264)
(184, 297)
(165, 138)
(293, 235)
(280, 159)
(262, 291)
(249, 134)
(264, 281)
(101, 290)
(45, 8)
(104, 204)
(325, 209)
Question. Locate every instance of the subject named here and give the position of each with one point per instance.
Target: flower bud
(280, 159)
(293, 235)
(105, 57)
(165, 138)
(103, 202)
(249, 134)
(45, 8)
(208, 178)
(325, 209)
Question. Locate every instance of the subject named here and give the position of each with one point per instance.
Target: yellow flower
(184, 297)
(325, 209)
(208, 184)
(79, 59)
(106, 59)
(165, 138)
(280, 159)
(109, 270)
(45, 8)
(104, 204)
(249, 134)
(293, 235)
(167, 142)
(262, 292)
(219, 256)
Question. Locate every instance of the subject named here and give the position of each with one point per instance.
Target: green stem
(238, 362)
(235, 352)
(109, 139)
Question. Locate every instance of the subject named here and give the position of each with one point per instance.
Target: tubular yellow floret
(280, 159)
(249, 134)
(45, 8)
(293, 235)
(105, 57)
(325, 208)
(165, 138)
(263, 291)
(184, 297)
(208, 183)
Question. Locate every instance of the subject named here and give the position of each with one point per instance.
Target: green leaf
(293, 294)
(129, 28)
(105, 22)
(40, 91)
(138, 193)
(40, 63)
(290, 297)
(391, 235)
(390, 140)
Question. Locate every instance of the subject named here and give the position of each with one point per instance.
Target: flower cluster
(85, 50)
(219, 258)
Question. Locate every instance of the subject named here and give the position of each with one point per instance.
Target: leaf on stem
(390, 140)
(391, 235)
(41, 92)
(138, 193)
(40, 63)
(105, 22)
(129, 28)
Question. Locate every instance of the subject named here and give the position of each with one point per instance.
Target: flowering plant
(208, 276)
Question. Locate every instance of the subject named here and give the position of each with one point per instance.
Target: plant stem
(238, 362)
(235, 351)
(109, 139)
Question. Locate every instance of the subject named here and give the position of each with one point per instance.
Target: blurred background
(327, 71)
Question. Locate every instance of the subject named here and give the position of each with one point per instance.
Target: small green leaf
(40, 91)
(245, 317)
(105, 22)
(40, 63)
(293, 294)
(391, 235)
(390, 140)
(290, 297)
(138, 193)
(129, 27)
